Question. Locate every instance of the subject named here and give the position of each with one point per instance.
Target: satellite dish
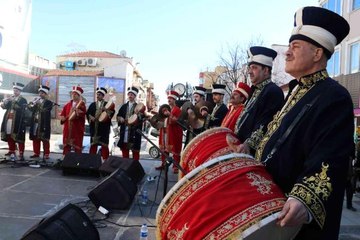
(123, 53)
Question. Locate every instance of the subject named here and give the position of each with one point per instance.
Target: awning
(8, 76)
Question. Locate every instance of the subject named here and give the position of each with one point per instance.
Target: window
(355, 57)
(356, 4)
(333, 5)
(333, 66)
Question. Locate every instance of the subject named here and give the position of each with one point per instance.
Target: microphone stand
(168, 161)
(185, 127)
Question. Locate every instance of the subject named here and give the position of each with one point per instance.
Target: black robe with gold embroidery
(134, 138)
(18, 128)
(259, 110)
(311, 164)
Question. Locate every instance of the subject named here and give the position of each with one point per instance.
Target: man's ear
(318, 54)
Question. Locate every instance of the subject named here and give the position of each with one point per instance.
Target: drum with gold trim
(207, 145)
(133, 119)
(222, 199)
(104, 117)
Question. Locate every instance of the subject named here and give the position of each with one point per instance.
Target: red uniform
(232, 115)
(171, 135)
(73, 129)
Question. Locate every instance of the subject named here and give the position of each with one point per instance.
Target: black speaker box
(116, 191)
(69, 223)
(132, 167)
(81, 163)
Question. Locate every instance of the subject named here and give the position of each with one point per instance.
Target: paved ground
(29, 194)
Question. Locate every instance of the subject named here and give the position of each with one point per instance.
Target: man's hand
(204, 113)
(62, 118)
(294, 213)
(121, 120)
(91, 118)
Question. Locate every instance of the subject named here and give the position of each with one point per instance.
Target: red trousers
(36, 147)
(104, 151)
(126, 154)
(12, 146)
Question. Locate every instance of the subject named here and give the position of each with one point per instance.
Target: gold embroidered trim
(203, 178)
(258, 89)
(305, 84)
(233, 227)
(313, 191)
(255, 138)
(177, 234)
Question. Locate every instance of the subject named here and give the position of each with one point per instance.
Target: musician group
(303, 140)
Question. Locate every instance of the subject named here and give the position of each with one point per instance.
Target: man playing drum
(266, 99)
(73, 118)
(218, 113)
(308, 143)
(171, 134)
(100, 126)
(199, 98)
(129, 138)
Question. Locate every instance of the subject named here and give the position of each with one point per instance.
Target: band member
(267, 98)
(13, 124)
(195, 129)
(308, 143)
(199, 94)
(100, 128)
(40, 128)
(73, 118)
(129, 138)
(237, 99)
(170, 139)
(218, 113)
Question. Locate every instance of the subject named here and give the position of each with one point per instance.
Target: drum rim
(196, 140)
(264, 222)
(133, 115)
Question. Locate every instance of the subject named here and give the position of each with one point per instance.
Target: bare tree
(233, 60)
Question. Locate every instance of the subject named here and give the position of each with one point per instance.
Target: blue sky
(173, 40)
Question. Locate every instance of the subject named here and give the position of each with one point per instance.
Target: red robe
(73, 129)
(232, 115)
(173, 141)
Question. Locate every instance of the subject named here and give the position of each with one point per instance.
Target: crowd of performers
(304, 139)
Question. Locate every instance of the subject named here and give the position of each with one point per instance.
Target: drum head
(132, 119)
(154, 121)
(268, 229)
(162, 108)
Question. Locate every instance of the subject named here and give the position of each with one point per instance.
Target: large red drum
(229, 197)
(207, 145)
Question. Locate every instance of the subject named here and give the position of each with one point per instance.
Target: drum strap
(281, 140)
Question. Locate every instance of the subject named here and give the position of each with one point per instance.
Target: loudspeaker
(132, 167)
(116, 191)
(81, 163)
(69, 223)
